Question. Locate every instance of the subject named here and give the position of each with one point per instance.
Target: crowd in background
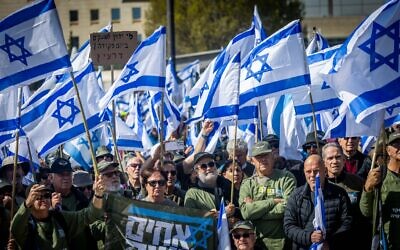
(271, 207)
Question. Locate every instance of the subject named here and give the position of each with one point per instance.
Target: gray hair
(331, 144)
(241, 145)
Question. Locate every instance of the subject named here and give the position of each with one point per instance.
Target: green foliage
(202, 25)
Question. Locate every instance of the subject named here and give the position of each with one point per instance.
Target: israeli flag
(275, 66)
(79, 149)
(222, 100)
(392, 115)
(324, 97)
(145, 70)
(23, 152)
(365, 70)
(126, 138)
(188, 76)
(243, 42)
(59, 110)
(171, 83)
(31, 45)
(8, 115)
(259, 31)
(319, 220)
(172, 116)
(318, 43)
(345, 124)
(224, 242)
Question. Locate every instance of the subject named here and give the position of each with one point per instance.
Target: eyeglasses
(154, 183)
(89, 187)
(244, 235)
(111, 174)
(210, 164)
(172, 172)
(44, 196)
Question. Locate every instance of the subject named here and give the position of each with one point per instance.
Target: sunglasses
(172, 172)
(154, 183)
(353, 138)
(311, 145)
(85, 187)
(44, 196)
(111, 174)
(210, 164)
(244, 235)
(44, 177)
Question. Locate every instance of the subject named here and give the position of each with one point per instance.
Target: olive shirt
(50, 234)
(267, 216)
(390, 193)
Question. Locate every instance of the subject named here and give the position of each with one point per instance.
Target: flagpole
(162, 129)
(14, 176)
(233, 159)
(256, 132)
(30, 160)
(85, 125)
(260, 120)
(314, 121)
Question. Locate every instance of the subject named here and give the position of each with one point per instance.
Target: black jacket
(299, 215)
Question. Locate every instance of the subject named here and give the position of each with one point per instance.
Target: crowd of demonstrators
(272, 205)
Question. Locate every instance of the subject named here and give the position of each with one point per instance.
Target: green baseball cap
(242, 225)
(103, 165)
(260, 148)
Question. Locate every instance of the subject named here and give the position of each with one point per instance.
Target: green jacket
(267, 216)
(390, 193)
(50, 234)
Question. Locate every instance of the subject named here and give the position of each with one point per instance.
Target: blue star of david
(335, 113)
(264, 67)
(9, 42)
(369, 46)
(205, 87)
(194, 243)
(391, 108)
(132, 71)
(94, 137)
(325, 86)
(83, 141)
(73, 110)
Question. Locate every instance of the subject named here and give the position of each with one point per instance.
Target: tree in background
(202, 25)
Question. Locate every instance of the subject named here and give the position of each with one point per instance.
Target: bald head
(314, 165)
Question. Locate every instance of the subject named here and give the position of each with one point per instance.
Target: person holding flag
(300, 211)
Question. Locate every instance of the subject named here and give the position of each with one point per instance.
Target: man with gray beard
(210, 186)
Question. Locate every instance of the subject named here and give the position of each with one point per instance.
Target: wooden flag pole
(260, 120)
(314, 122)
(114, 139)
(14, 177)
(233, 159)
(85, 125)
(31, 161)
(162, 149)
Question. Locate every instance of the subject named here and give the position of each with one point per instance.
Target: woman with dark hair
(155, 183)
(172, 192)
(230, 170)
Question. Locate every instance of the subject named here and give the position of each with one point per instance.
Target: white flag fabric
(8, 115)
(224, 242)
(126, 138)
(317, 43)
(59, 110)
(345, 124)
(365, 70)
(324, 97)
(275, 66)
(188, 77)
(319, 220)
(145, 70)
(32, 45)
(79, 149)
(222, 100)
